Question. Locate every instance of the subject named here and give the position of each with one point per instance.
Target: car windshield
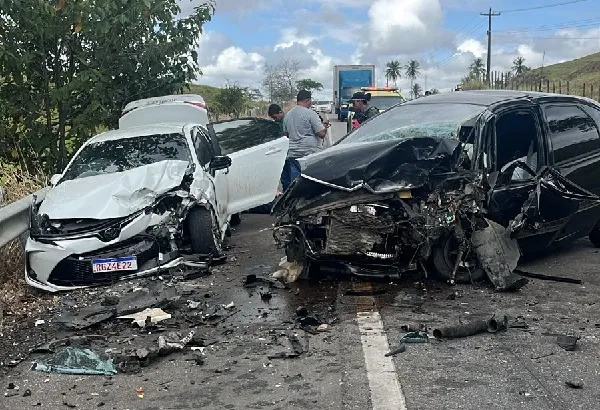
(120, 155)
(414, 121)
(383, 103)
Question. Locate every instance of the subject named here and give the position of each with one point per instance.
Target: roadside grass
(14, 292)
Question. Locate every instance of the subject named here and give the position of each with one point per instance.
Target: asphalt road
(344, 366)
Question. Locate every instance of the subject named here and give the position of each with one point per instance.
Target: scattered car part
(73, 360)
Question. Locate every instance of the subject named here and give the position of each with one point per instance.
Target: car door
(257, 151)
(206, 149)
(575, 141)
(505, 136)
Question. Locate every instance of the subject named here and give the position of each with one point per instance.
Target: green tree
(412, 71)
(233, 100)
(434, 91)
(308, 84)
(477, 69)
(392, 72)
(519, 66)
(68, 67)
(416, 90)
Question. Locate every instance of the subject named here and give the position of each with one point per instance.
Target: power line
(548, 27)
(543, 7)
(548, 38)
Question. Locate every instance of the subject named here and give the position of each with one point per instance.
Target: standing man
(362, 111)
(276, 114)
(306, 133)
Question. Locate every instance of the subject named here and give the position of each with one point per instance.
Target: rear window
(383, 103)
(573, 133)
(120, 155)
(414, 121)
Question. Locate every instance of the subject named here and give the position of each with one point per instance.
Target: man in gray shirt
(306, 133)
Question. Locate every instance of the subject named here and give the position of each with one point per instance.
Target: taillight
(196, 103)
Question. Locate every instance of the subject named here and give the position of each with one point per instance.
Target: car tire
(204, 237)
(443, 262)
(236, 219)
(594, 235)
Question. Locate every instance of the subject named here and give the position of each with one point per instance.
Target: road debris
(288, 271)
(253, 280)
(568, 341)
(574, 384)
(74, 360)
(548, 277)
(492, 325)
(147, 316)
(399, 349)
(415, 337)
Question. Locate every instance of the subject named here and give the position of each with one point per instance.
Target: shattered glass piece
(73, 360)
(498, 254)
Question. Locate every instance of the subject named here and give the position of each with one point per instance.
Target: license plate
(114, 264)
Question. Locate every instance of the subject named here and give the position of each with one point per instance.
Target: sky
(445, 36)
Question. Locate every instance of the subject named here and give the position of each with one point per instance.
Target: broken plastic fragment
(155, 314)
(288, 271)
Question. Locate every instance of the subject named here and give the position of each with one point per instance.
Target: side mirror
(54, 179)
(220, 162)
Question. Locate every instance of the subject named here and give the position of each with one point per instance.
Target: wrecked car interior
(458, 185)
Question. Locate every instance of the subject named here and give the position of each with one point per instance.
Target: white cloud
(472, 46)
(404, 26)
(234, 64)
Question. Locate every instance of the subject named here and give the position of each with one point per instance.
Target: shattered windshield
(120, 155)
(415, 121)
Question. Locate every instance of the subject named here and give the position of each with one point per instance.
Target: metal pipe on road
(14, 217)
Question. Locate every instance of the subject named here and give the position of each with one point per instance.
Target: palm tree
(412, 72)
(392, 72)
(519, 66)
(477, 68)
(416, 90)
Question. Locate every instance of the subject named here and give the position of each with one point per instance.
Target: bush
(13, 289)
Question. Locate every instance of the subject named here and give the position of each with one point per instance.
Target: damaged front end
(407, 207)
(125, 235)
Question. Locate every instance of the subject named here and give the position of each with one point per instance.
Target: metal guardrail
(14, 217)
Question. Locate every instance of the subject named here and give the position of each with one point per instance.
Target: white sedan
(134, 201)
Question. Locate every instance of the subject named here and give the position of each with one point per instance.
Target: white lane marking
(386, 391)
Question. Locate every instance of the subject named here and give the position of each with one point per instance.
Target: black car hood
(381, 164)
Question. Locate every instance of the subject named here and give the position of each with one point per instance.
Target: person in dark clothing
(276, 114)
(362, 111)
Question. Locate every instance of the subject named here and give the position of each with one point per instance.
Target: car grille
(76, 270)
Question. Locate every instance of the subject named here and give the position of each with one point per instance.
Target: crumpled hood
(406, 161)
(114, 195)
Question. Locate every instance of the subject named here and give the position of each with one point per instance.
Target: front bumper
(55, 265)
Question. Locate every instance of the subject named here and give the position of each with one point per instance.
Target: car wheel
(236, 219)
(444, 257)
(204, 235)
(595, 235)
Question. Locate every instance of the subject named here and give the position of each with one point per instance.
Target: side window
(203, 147)
(572, 132)
(270, 130)
(236, 135)
(593, 112)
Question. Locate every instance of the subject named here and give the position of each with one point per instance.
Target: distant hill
(584, 70)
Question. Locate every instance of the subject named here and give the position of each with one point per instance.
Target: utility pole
(489, 15)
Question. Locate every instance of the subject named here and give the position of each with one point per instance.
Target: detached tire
(595, 236)
(443, 258)
(203, 233)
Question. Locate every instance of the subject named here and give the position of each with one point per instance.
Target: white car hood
(114, 195)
